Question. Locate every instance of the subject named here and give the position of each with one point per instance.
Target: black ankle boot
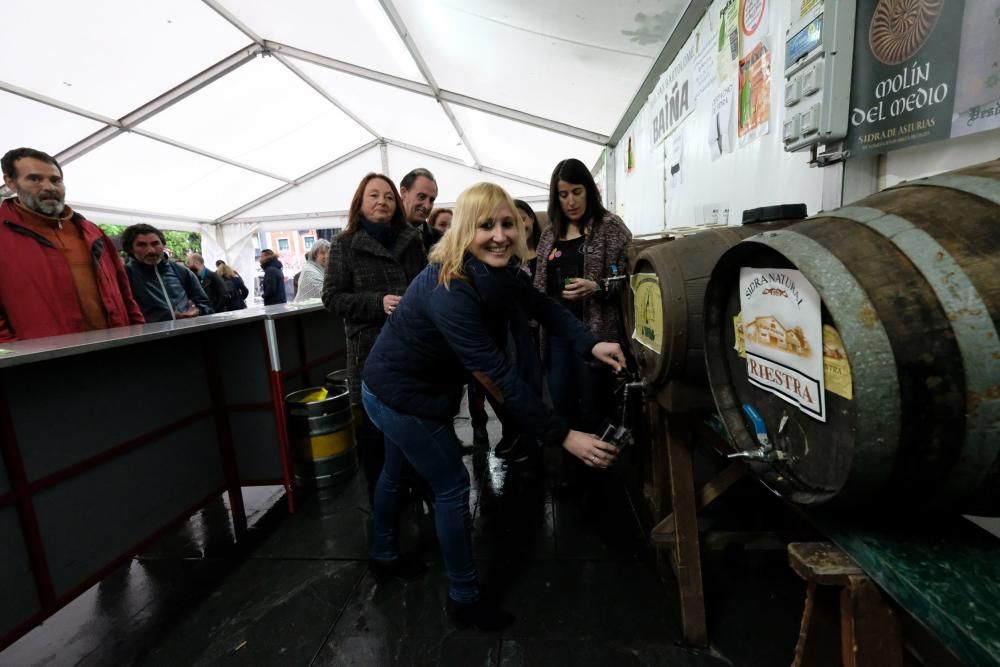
(478, 614)
(401, 568)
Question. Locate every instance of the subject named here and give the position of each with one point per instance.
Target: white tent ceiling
(186, 112)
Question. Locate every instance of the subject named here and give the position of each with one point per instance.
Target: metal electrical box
(819, 50)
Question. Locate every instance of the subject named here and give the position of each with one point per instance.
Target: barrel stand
(676, 534)
(863, 632)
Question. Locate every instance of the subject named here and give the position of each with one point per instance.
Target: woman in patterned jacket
(370, 265)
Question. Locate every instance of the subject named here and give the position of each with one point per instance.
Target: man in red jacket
(59, 273)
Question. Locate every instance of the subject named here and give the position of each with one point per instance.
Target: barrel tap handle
(634, 381)
(766, 451)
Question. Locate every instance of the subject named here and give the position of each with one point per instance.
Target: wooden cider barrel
(671, 280)
(910, 280)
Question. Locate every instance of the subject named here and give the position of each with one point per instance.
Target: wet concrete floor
(578, 576)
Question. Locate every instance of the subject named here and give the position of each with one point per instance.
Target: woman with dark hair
(440, 219)
(533, 232)
(369, 266)
(584, 245)
(451, 325)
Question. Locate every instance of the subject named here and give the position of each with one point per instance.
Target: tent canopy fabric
(236, 111)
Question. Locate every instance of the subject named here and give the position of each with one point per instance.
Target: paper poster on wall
(755, 94)
(904, 80)
(728, 43)
(647, 303)
(977, 88)
(673, 98)
(783, 336)
(755, 24)
(704, 65)
(720, 124)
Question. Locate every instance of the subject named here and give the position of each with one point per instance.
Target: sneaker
(479, 615)
(480, 437)
(401, 568)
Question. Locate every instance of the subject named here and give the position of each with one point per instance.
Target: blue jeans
(431, 447)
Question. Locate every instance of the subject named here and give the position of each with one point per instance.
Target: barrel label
(782, 334)
(836, 368)
(739, 345)
(648, 306)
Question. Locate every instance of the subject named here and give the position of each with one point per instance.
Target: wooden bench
(846, 620)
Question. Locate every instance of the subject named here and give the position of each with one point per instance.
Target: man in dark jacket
(59, 273)
(417, 191)
(213, 284)
(164, 290)
(274, 278)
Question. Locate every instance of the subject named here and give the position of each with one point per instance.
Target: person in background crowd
(295, 280)
(213, 284)
(163, 289)
(370, 264)
(237, 289)
(584, 244)
(311, 281)
(59, 273)
(523, 349)
(418, 190)
(440, 219)
(451, 324)
(274, 278)
(533, 232)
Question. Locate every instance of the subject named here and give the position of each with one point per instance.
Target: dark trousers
(522, 351)
(477, 408)
(371, 450)
(582, 394)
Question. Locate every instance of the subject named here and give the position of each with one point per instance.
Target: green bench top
(945, 574)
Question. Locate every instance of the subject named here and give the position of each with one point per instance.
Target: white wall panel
(758, 173)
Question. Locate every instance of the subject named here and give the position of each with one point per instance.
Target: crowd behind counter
(110, 437)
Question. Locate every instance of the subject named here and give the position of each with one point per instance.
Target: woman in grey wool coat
(370, 265)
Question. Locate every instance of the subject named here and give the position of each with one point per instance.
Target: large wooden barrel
(669, 289)
(909, 280)
(321, 428)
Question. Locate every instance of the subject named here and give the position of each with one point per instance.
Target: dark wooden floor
(578, 576)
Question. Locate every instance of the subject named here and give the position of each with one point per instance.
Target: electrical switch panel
(819, 47)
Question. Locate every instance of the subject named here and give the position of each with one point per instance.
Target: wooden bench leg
(819, 636)
(870, 635)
